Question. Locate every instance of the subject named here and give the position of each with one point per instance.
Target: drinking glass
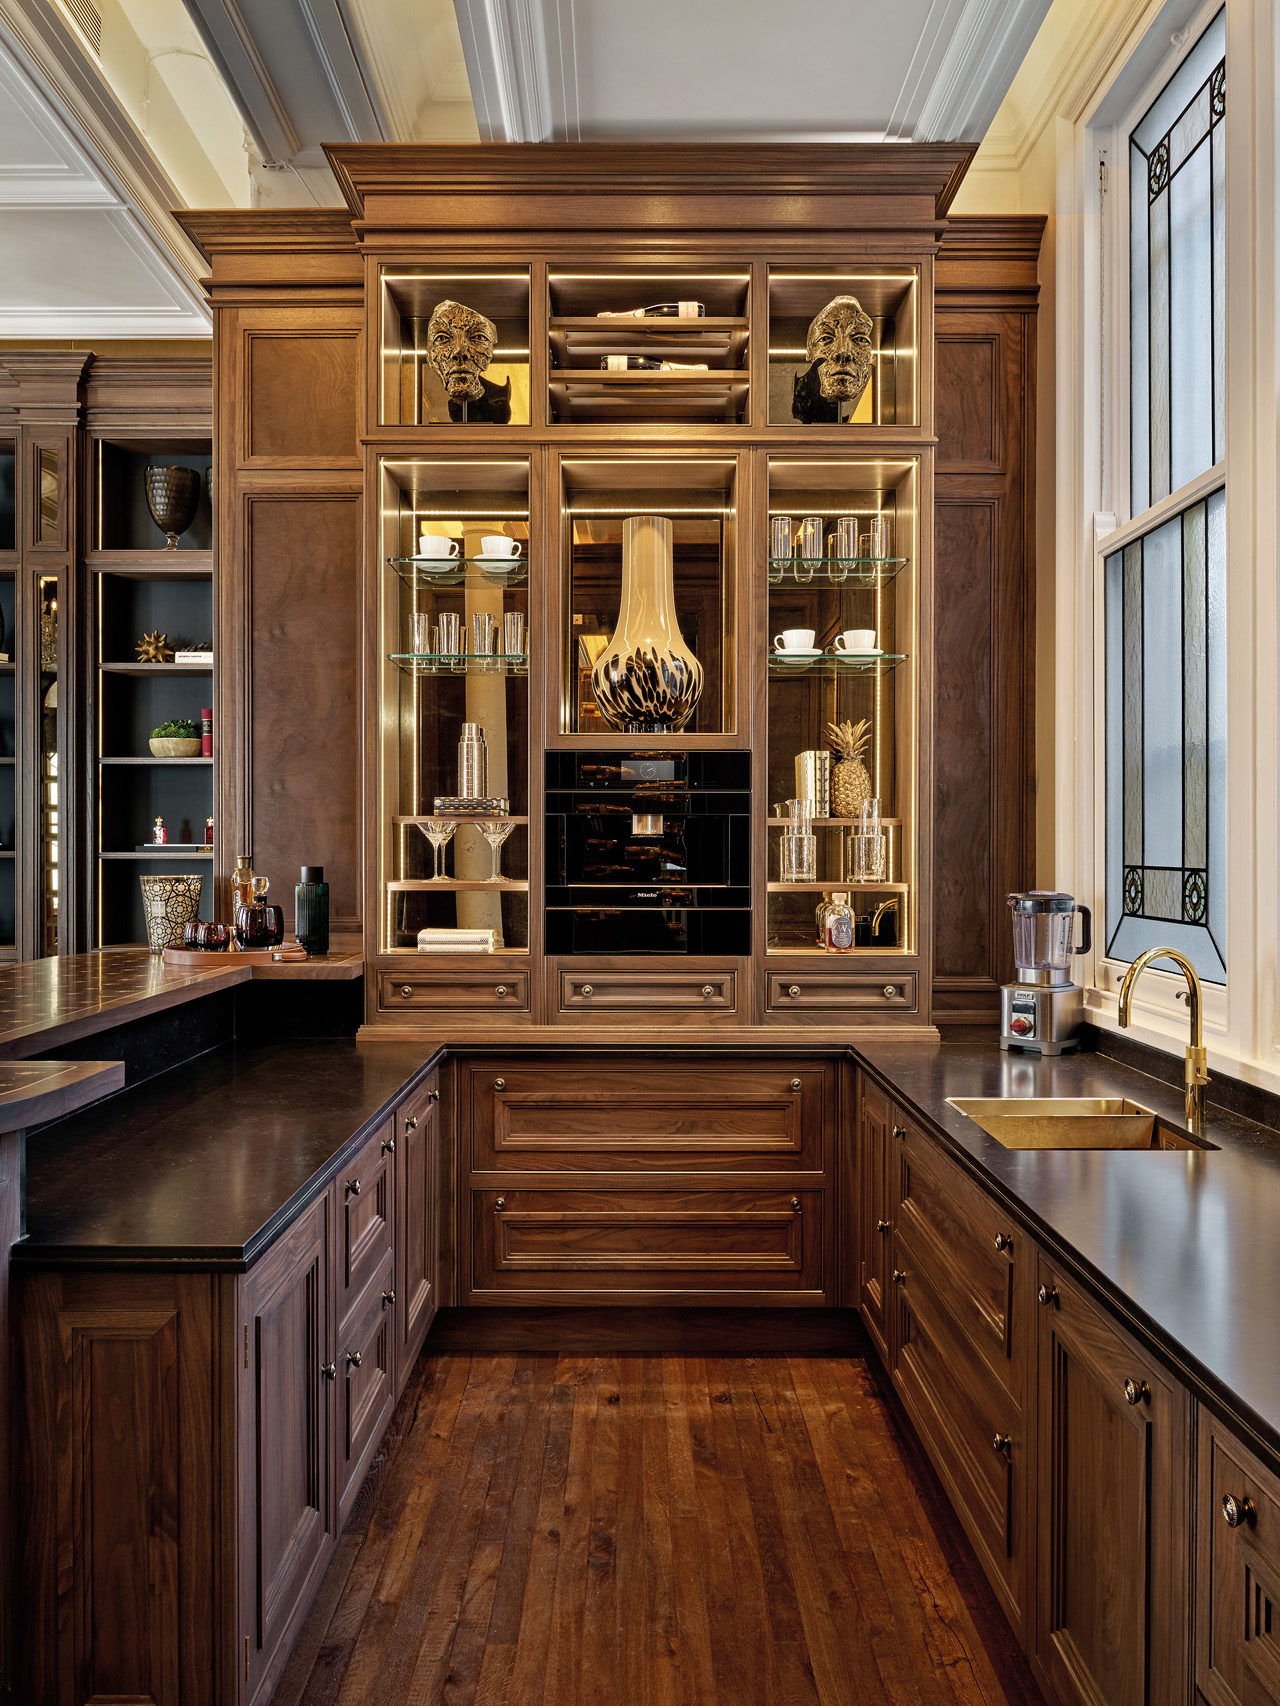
(484, 633)
(780, 545)
(495, 831)
(421, 633)
(439, 832)
(809, 547)
(846, 545)
(867, 846)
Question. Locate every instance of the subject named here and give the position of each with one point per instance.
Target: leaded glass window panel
(1166, 688)
(1177, 276)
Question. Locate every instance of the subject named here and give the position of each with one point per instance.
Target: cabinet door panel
(1112, 1474)
(366, 1384)
(365, 1217)
(1238, 1580)
(874, 1225)
(417, 1124)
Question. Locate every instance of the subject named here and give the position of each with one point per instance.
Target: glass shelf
(462, 571)
(850, 573)
(836, 663)
(424, 885)
(460, 663)
(836, 885)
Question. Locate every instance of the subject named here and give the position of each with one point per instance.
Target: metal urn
(173, 497)
(646, 680)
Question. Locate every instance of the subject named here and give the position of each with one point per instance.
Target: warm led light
(449, 277)
(845, 277)
(650, 278)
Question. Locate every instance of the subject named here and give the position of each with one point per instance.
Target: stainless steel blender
(1042, 1012)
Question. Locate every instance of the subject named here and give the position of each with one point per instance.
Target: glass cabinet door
(454, 758)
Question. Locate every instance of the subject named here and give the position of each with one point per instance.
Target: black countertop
(1184, 1244)
(203, 1165)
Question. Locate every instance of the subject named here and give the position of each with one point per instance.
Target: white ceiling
(230, 102)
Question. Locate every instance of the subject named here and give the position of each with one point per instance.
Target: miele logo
(646, 894)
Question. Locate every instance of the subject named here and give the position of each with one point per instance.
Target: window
(1164, 574)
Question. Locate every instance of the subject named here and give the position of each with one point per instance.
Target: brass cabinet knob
(794, 991)
(882, 1225)
(388, 1298)
(329, 1370)
(1003, 1443)
(1048, 1294)
(433, 1095)
(1003, 1241)
(890, 990)
(406, 989)
(899, 1131)
(500, 990)
(354, 1358)
(795, 1084)
(1236, 1512)
(388, 1146)
(499, 1083)
(795, 1203)
(899, 1278)
(1137, 1392)
(708, 990)
(586, 989)
(499, 1204)
(411, 1122)
(353, 1187)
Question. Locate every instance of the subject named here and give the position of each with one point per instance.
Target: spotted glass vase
(646, 680)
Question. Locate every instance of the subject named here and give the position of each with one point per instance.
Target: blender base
(1041, 1018)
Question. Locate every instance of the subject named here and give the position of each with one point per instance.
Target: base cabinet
(875, 1218)
(1237, 1573)
(417, 1172)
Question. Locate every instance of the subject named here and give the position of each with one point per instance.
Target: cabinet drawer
(960, 1241)
(495, 990)
(964, 1423)
(1238, 1649)
(631, 994)
(366, 1383)
(642, 1244)
(617, 1115)
(845, 992)
(365, 1216)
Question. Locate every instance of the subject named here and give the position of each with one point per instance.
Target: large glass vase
(646, 680)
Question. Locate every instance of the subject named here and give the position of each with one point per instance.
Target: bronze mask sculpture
(839, 350)
(460, 346)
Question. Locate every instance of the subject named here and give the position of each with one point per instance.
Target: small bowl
(167, 747)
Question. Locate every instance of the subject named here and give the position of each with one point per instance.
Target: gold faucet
(1196, 1072)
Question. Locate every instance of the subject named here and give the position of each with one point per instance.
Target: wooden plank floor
(652, 1530)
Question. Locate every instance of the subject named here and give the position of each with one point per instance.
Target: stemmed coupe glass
(439, 832)
(495, 831)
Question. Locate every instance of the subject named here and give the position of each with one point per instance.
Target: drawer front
(963, 1422)
(491, 991)
(831, 991)
(1238, 1650)
(613, 1115)
(366, 1189)
(366, 1383)
(958, 1240)
(635, 995)
(648, 1243)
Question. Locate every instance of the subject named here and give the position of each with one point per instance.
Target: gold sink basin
(1073, 1122)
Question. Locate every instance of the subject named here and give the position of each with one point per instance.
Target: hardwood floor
(675, 1530)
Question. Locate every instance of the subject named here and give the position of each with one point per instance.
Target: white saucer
(494, 561)
(439, 564)
(875, 652)
(801, 654)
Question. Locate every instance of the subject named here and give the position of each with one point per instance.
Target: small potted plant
(177, 739)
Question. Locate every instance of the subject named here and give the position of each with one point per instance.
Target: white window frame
(1092, 517)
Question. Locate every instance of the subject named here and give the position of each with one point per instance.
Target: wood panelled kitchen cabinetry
(1237, 1572)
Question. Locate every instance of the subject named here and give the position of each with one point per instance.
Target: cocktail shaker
(473, 763)
(813, 781)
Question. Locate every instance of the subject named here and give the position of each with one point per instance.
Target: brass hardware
(329, 1370)
(708, 990)
(1137, 1392)
(882, 1225)
(433, 1095)
(388, 1298)
(1048, 1294)
(795, 1084)
(406, 989)
(499, 1083)
(899, 1131)
(388, 1146)
(899, 1278)
(1003, 1241)
(410, 1122)
(353, 1357)
(500, 990)
(795, 1203)
(890, 990)
(501, 1203)
(1236, 1511)
(586, 989)
(1195, 1071)
(1003, 1443)
(794, 991)
(353, 1187)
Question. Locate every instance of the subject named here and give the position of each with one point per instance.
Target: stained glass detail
(1177, 250)
(1165, 596)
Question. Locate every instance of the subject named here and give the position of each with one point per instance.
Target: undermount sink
(1073, 1122)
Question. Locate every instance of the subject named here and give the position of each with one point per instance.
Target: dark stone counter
(1183, 1244)
(204, 1165)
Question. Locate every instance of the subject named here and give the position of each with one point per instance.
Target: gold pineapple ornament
(850, 782)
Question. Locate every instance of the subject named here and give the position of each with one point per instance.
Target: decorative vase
(173, 497)
(646, 680)
(168, 904)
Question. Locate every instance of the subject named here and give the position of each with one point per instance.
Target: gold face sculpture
(840, 342)
(460, 346)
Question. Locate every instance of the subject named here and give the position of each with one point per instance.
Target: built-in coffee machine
(1043, 1011)
(648, 852)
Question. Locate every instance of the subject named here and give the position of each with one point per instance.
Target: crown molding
(522, 65)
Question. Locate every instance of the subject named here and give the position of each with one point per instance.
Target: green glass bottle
(311, 910)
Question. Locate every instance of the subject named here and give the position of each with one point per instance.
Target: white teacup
(795, 639)
(498, 545)
(856, 640)
(436, 545)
